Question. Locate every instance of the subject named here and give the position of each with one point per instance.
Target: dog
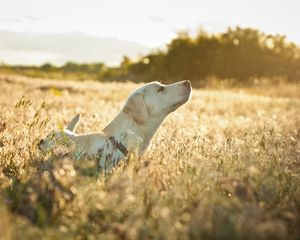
(130, 131)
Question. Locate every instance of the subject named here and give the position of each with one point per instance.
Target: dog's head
(58, 136)
(156, 100)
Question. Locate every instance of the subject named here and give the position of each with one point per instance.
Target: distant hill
(35, 48)
(240, 55)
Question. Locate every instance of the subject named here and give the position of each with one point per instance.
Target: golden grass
(224, 166)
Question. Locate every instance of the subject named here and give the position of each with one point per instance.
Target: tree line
(238, 53)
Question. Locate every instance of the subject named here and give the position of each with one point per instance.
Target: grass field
(224, 166)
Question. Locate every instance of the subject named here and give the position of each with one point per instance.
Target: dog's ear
(73, 124)
(136, 108)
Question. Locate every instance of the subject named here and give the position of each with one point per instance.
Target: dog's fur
(131, 130)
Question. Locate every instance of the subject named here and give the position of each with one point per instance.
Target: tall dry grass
(224, 166)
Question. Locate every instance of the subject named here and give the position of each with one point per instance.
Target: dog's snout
(187, 83)
(41, 142)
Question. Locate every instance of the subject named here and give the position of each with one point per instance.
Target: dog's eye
(160, 89)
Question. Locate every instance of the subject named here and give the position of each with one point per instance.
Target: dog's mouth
(177, 105)
(180, 103)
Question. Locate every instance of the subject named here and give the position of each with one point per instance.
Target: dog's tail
(73, 124)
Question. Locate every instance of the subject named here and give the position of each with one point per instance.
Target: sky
(148, 24)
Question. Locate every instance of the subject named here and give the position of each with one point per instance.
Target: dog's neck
(121, 127)
(130, 133)
(149, 130)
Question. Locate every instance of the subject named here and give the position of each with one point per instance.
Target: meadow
(226, 165)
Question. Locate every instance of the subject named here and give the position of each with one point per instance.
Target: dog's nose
(41, 142)
(187, 83)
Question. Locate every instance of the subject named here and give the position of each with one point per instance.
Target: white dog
(131, 130)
